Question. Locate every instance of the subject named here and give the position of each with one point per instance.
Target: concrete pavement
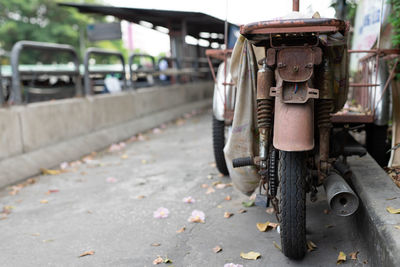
(92, 212)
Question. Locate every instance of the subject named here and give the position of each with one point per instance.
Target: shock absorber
(265, 77)
(264, 113)
(324, 107)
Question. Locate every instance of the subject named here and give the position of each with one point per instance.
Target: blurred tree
(394, 19)
(45, 21)
(345, 9)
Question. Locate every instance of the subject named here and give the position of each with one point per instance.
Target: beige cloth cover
(243, 141)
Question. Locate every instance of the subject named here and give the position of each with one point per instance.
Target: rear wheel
(218, 129)
(292, 203)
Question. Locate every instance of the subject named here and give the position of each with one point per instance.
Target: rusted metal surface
(218, 53)
(367, 86)
(293, 26)
(295, 64)
(324, 108)
(294, 126)
(271, 57)
(363, 84)
(352, 118)
(265, 78)
(296, 5)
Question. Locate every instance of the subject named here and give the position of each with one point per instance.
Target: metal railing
(16, 92)
(87, 72)
(136, 74)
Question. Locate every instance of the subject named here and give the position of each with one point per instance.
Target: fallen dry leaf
(250, 255)
(326, 211)
(180, 122)
(155, 244)
(210, 190)
(158, 260)
(227, 198)
(311, 246)
(140, 197)
(44, 201)
(35, 234)
(393, 210)
(353, 255)
(216, 183)
(16, 188)
(270, 210)
(50, 172)
(397, 227)
(217, 249)
(341, 258)
(248, 203)
(392, 198)
(166, 260)
(213, 164)
(87, 253)
(144, 161)
(263, 227)
(124, 156)
(242, 211)
(276, 245)
(47, 240)
(227, 215)
(219, 206)
(220, 186)
(181, 230)
(329, 225)
(204, 185)
(209, 176)
(7, 210)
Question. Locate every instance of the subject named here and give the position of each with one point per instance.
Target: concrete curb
(19, 167)
(376, 225)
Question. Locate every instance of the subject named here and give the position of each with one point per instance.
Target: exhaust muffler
(341, 198)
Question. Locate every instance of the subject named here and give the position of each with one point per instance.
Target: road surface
(105, 207)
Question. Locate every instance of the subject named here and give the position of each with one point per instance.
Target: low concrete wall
(45, 134)
(376, 226)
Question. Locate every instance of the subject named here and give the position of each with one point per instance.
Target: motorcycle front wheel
(218, 134)
(292, 203)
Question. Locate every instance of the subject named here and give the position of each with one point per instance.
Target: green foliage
(394, 19)
(45, 21)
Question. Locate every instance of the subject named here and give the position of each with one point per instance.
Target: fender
(219, 97)
(294, 126)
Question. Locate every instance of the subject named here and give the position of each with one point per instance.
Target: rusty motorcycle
(299, 147)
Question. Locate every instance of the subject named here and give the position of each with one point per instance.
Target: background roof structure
(196, 22)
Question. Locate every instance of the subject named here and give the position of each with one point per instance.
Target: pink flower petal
(111, 180)
(188, 199)
(64, 165)
(232, 265)
(156, 131)
(161, 213)
(197, 216)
